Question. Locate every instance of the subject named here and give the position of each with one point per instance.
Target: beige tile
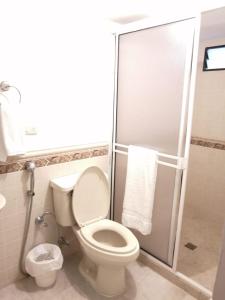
(205, 184)
(201, 263)
(3, 277)
(203, 219)
(12, 217)
(142, 284)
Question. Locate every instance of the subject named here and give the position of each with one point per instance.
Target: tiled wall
(14, 184)
(209, 106)
(213, 144)
(205, 196)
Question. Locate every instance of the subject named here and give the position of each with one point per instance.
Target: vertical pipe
(30, 167)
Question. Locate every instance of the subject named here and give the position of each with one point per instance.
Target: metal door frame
(188, 95)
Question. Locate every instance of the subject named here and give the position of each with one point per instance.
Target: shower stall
(204, 210)
(152, 109)
(157, 68)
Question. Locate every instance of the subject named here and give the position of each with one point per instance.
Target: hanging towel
(140, 189)
(11, 133)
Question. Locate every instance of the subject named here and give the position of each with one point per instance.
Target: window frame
(205, 69)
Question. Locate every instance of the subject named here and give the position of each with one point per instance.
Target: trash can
(42, 263)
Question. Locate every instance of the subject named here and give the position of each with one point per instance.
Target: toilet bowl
(107, 245)
(111, 247)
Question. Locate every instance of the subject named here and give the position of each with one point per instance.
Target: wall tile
(14, 183)
(205, 194)
(52, 159)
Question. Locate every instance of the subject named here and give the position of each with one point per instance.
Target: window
(214, 58)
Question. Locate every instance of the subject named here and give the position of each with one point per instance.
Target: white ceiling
(125, 11)
(122, 12)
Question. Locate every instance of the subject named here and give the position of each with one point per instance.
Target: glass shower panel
(151, 72)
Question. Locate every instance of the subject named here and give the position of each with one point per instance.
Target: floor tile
(142, 284)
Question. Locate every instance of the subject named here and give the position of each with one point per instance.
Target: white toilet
(82, 201)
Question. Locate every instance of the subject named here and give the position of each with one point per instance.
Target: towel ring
(4, 87)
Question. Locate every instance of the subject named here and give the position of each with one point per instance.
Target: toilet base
(108, 281)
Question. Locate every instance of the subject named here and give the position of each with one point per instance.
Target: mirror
(204, 210)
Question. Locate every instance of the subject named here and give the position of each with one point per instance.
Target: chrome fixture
(40, 220)
(30, 167)
(4, 86)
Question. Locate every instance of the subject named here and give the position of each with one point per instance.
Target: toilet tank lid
(65, 183)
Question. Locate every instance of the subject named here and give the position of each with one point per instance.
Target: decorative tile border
(54, 158)
(208, 143)
(67, 156)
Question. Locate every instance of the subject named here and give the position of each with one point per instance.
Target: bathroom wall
(209, 108)
(61, 57)
(205, 197)
(14, 182)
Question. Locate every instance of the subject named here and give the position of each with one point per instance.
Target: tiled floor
(201, 263)
(142, 283)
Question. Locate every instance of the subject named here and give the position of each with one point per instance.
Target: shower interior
(200, 263)
(204, 209)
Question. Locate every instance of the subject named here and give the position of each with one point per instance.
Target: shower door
(153, 73)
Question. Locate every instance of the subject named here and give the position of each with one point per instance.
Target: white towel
(11, 132)
(140, 189)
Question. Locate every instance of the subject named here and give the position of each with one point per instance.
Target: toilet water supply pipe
(30, 167)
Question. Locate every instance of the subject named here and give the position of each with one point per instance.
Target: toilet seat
(96, 235)
(90, 207)
(91, 197)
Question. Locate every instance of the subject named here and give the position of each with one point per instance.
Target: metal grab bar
(181, 161)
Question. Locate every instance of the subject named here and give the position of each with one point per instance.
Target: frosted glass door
(151, 78)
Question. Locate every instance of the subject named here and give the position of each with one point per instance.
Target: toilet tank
(62, 197)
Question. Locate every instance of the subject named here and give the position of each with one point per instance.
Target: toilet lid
(90, 200)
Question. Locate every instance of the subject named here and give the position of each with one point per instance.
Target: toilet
(82, 201)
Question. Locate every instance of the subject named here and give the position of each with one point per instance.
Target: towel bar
(181, 161)
(4, 87)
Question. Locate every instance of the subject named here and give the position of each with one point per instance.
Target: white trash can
(42, 263)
